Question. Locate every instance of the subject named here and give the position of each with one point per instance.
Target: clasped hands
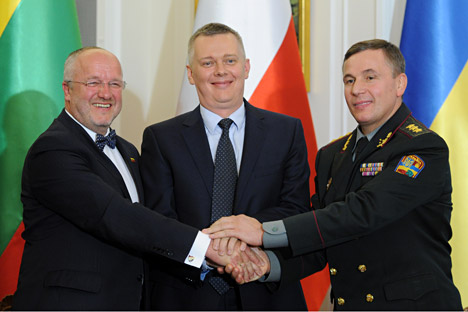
(234, 248)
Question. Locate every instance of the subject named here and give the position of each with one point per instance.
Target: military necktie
(360, 146)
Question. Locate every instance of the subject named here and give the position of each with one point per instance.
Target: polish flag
(275, 82)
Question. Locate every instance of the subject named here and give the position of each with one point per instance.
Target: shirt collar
(369, 137)
(211, 119)
(91, 133)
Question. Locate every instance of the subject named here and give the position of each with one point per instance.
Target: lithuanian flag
(35, 39)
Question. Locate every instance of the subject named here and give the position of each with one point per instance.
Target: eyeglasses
(94, 84)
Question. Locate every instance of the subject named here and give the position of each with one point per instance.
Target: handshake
(234, 248)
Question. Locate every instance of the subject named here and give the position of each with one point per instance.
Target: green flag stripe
(33, 48)
(7, 7)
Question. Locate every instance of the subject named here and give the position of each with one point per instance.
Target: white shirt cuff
(197, 252)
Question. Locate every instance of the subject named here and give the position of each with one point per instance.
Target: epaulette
(346, 136)
(413, 127)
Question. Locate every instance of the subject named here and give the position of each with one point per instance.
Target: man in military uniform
(381, 212)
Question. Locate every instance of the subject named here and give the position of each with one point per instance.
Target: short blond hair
(212, 29)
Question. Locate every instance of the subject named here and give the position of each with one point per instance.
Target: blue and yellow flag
(35, 39)
(434, 42)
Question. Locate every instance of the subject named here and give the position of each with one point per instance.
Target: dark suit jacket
(385, 236)
(84, 237)
(177, 170)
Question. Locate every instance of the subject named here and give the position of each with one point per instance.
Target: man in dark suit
(178, 170)
(382, 208)
(85, 230)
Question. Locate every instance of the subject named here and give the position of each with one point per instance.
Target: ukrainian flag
(434, 42)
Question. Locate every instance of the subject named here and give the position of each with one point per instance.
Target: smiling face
(96, 107)
(218, 70)
(372, 92)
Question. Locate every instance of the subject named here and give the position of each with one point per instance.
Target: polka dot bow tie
(109, 139)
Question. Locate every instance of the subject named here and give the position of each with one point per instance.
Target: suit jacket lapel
(132, 165)
(195, 138)
(253, 144)
(80, 134)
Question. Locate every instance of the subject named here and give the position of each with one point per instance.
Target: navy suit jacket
(177, 171)
(84, 237)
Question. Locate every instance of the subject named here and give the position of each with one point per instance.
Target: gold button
(369, 298)
(333, 271)
(362, 268)
(340, 301)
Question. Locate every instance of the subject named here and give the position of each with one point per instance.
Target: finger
(265, 268)
(238, 276)
(221, 224)
(243, 246)
(258, 272)
(254, 257)
(249, 273)
(229, 268)
(223, 242)
(261, 255)
(215, 244)
(222, 234)
(246, 265)
(231, 245)
(221, 270)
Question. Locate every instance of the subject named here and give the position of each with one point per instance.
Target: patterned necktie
(109, 139)
(224, 188)
(360, 146)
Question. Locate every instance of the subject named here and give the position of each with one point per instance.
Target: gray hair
(69, 67)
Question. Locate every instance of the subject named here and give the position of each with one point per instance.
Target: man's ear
(66, 91)
(247, 68)
(402, 81)
(189, 75)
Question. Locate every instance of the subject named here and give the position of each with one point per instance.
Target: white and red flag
(275, 82)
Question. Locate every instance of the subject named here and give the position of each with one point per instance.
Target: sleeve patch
(410, 165)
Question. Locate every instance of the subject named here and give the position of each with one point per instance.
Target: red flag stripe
(10, 263)
(282, 89)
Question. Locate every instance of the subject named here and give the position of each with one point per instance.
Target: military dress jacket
(382, 221)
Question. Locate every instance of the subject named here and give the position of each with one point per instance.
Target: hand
(226, 245)
(241, 226)
(249, 260)
(216, 260)
(241, 273)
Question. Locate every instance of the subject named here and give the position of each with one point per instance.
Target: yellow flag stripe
(452, 124)
(7, 7)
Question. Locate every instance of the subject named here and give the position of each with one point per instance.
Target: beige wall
(150, 38)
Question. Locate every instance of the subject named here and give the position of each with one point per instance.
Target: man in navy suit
(177, 163)
(85, 230)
